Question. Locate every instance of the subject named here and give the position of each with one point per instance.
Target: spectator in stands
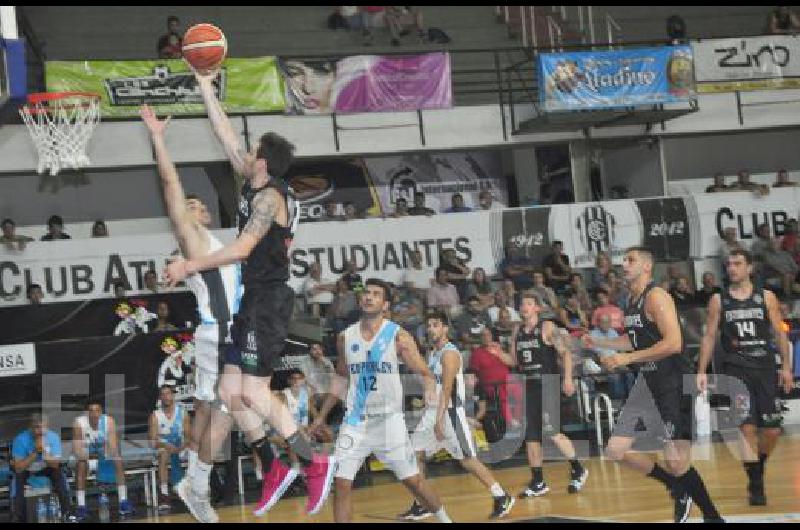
(719, 184)
(400, 208)
(546, 294)
(151, 282)
(676, 30)
(169, 45)
(709, 289)
(344, 308)
(489, 363)
(417, 277)
(400, 19)
(729, 244)
(457, 204)
(99, 229)
(457, 271)
(351, 212)
(743, 183)
(169, 432)
(331, 212)
(782, 21)
(318, 370)
(419, 207)
(621, 380)
(351, 276)
(442, 294)
(373, 17)
(517, 267)
(407, 311)
(682, 293)
(673, 275)
(572, 316)
(576, 285)
(34, 294)
(318, 292)
(36, 452)
(557, 270)
(10, 237)
(616, 289)
(501, 303)
(55, 229)
(782, 180)
(486, 201)
(120, 289)
(780, 268)
(599, 275)
(504, 327)
(481, 287)
(607, 309)
(511, 292)
(163, 322)
(471, 323)
(761, 245)
(345, 17)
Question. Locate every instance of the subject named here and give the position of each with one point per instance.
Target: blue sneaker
(126, 508)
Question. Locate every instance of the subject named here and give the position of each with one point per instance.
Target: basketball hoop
(61, 124)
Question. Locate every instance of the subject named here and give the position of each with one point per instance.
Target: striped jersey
(458, 397)
(218, 291)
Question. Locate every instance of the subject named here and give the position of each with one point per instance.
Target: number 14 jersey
(746, 330)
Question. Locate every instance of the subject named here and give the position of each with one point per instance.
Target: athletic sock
(200, 480)
(192, 462)
(165, 489)
(81, 498)
(537, 474)
(658, 473)
(497, 490)
(577, 468)
(122, 491)
(300, 445)
(265, 454)
(442, 516)
(694, 486)
(762, 460)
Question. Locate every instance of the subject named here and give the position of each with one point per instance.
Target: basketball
(204, 46)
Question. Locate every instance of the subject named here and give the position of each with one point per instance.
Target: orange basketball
(204, 46)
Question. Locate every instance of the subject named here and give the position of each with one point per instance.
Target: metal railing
(613, 30)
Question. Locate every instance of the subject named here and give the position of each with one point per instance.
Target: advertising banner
(597, 80)
(243, 86)
(367, 83)
(747, 63)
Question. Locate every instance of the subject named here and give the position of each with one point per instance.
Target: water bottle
(41, 511)
(105, 513)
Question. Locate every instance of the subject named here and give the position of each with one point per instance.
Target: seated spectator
(55, 229)
(120, 289)
(743, 183)
(501, 303)
(607, 309)
(407, 310)
(400, 19)
(34, 294)
(480, 286)
(782, 21)
(782, 180)
(36, 452)
(682, 293)
(576, 285)
(572, 316)
(170, 44)
(517, 267)
(372, 17)
(318, 370)
(163, 322)
(351, 212)
(599, 275)
(511, 292)
(457, 271)
(557, 270)
(99, 229)
(318, 292)
(780, 268)
(709, 289)
(344, 308)
(457, 204)
(351, 277)
(417, 278)
(419, 207)
(151, 282)
(621, 380)
(11, 238)
(170, 433)
(617, 290)
(442, 294)
(490, 364)
(503, 328)
(400, 208)
(761, 245)
(729, 244)
(673, 275)
(719, 184)
(546, 294)
(471, 323)
(486, 201)
(331, 212)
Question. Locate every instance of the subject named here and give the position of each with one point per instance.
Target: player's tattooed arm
(265, 207)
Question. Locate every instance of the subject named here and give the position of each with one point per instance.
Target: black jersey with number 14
(746, 330)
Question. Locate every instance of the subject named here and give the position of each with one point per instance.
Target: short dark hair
(437, 314)
(8, 221)
(557, 242)
(277, 151)
(387, 289)
(438, 271)
(93, 401)
(532, 296)
(419, 194)
(401, 199)
(162, 387)
(172, 18)
(193, 197)
(578, 274)
(120, 283)
(644, 251)
(55, 220)
(601, 290)
(150, 271)
(744, 253)
(474, 298)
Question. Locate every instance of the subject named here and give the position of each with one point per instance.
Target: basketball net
(61, 125)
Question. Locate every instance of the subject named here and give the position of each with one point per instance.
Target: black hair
(438, 271)
(387, 289)
(643, 251)
(162, 387)
(193, 197)
(557, 242)
(8, 221)
(277, 151)
(55, 220)
(474, 298)
(94, 401)
(172, 18)
(30, 288)
(744, 253)
(437, 314)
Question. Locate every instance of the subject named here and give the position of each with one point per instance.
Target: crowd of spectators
(743, 183)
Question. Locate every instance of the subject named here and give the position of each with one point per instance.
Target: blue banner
(599, 80)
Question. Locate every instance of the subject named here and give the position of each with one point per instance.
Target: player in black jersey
(268, 217)
(536, 346)
(654, 345)
(748, 318)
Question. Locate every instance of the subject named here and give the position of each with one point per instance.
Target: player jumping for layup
(654, 343)
(268, 217)
(747, 318)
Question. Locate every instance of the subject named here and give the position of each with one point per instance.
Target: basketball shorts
(383, 435)
(662, 415)
(211, 342)
(260, 328)
(458, 439)
(542, 408)
(757, 404)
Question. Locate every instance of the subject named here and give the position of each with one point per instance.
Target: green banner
(244, 85)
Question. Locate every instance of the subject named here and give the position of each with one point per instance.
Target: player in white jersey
(444, 424)
(369, 355)
(169, 436)
(94, 438)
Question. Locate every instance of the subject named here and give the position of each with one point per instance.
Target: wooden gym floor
(612, 493)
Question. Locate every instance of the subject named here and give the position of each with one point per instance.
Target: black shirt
(557, 269)
(703, 296)
(49, 237)
(746, 331)
(534, 357)
(420, 210)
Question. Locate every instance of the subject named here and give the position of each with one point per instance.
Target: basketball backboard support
(13, 70)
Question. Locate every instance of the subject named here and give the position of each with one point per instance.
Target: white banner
(747, 63)
(88, 269)
(743, 211)
(17, 359)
